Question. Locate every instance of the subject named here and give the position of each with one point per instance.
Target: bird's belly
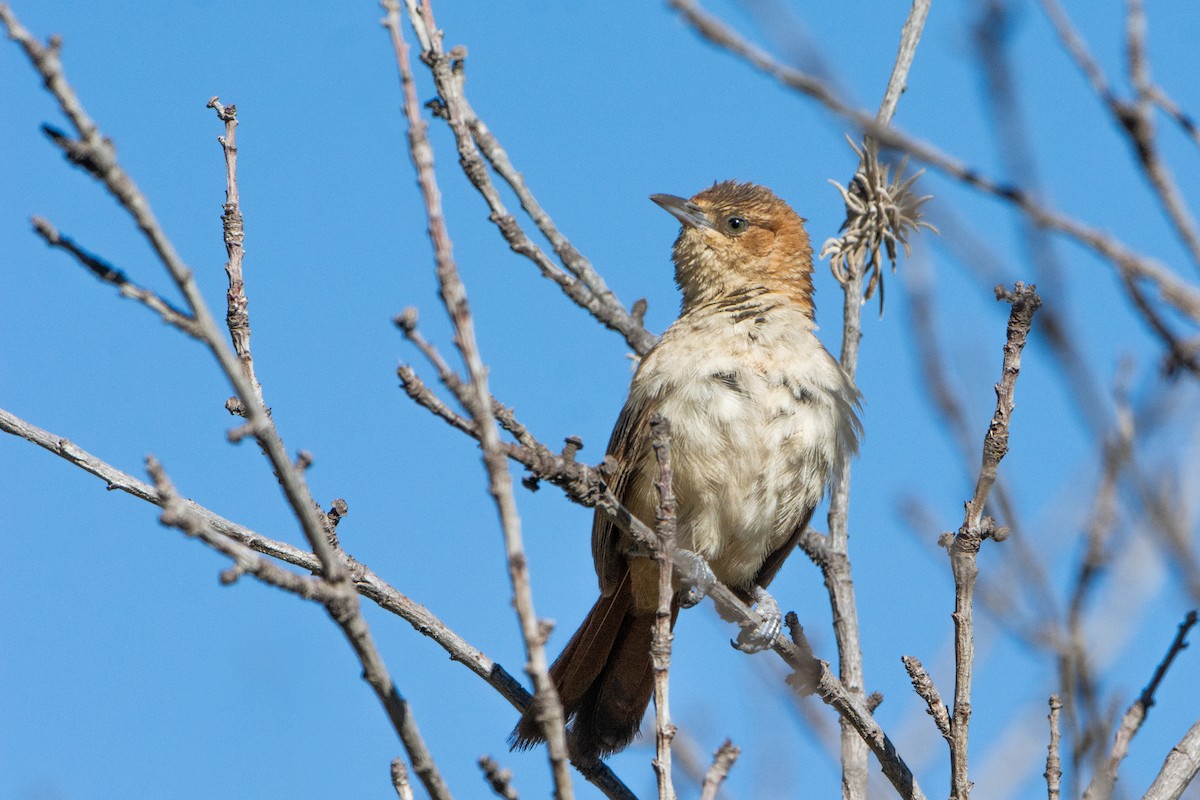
(751, 454)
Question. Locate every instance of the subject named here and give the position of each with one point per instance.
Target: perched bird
(761, 416)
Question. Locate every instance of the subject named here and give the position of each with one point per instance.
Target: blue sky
(127, 670)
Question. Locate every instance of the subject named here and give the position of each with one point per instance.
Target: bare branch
(660, 645)
(1101, 787)
(177, 513)
(964, 546)
(478, 401)
(1179, 769)
(723, 760)
(1134, 117)
(498, 778)
(400, 780)
(94, 153)
(878, 214)
(109, 274)
(925, 689)
(237, 315)
(579, 281)
(1053, 773)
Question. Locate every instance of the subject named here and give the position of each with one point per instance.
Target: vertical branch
(835, 565)
(1053, 774)
(964, 545)
(476, 397)
(660, 646)
(237, 316)
(1101, 786)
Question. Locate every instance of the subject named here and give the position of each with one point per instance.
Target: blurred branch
(400, 780)
(498, 778)
(1134, 117)
(723, 760)
(1101, 787)
(1089, 724)
(1179, 769)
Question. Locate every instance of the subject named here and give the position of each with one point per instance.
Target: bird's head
(738, 237)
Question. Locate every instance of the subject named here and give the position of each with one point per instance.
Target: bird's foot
(755, 639)
(695, 577)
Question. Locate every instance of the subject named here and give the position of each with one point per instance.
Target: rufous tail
(604, 678)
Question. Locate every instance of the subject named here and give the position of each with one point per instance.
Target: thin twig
(95, 153)
(400, 780)
(578, 281)
(964, 546)
(237, 315)
(178, 514)
(90, 150)
(1053, 773)
(476, 398)
(498, 778)
(924, 687)
(1103, 782)
(110, 274)
(722, 762)
(366, 581)
(1134, 117)
(660, 645)
(832, 554)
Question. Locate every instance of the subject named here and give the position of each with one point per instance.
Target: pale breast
(761, 414)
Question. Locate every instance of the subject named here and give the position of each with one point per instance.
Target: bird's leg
(755, 639)
(695, 577)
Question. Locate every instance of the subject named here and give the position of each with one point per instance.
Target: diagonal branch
(108, 273)
(577, 278)
(1101, 787)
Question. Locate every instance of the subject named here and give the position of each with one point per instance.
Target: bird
(762, 418)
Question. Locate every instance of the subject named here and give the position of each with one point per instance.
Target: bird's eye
(736, 225)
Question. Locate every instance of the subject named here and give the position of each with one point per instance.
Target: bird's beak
(683, 210)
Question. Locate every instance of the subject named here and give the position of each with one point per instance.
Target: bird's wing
(627, 446)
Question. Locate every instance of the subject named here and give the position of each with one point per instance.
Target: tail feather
(604, 678)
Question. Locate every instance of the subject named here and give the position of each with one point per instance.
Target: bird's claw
(695, 577)
(755, 639)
